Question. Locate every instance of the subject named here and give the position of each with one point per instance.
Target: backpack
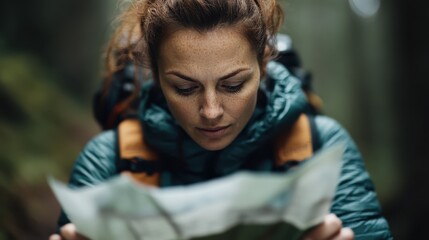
(139, 161)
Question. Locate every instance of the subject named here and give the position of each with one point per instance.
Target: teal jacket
(279, 105)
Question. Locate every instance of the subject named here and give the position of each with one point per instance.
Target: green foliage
(39, 121)
(42, 129)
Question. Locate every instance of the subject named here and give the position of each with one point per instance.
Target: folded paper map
(245, 205)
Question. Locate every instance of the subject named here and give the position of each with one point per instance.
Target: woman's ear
(266, 57)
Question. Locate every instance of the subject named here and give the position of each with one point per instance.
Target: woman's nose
(211, 107)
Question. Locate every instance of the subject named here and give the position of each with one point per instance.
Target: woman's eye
(185, 91)
(233, 88)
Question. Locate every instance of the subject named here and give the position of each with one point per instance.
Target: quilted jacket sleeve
(355, 202)
(95, 164)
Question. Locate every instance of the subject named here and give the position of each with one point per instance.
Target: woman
(206, 113)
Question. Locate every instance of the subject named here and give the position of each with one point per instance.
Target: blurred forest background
(371, 72)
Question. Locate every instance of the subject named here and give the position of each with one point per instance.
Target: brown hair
(146, 22)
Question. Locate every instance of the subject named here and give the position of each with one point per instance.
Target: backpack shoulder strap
(296, 143)
(135, 156)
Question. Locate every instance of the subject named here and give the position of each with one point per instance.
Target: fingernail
(55, 237)
(348, 232)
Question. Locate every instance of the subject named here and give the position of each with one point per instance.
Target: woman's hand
(332, 229)
(68, 232)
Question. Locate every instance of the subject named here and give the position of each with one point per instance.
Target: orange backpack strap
(296, 143)
(136, 158)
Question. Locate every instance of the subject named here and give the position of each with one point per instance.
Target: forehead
(220, 35)
(221, 47)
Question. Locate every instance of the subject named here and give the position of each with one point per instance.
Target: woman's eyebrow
(226, 76)
(233, 73)
(178, 74)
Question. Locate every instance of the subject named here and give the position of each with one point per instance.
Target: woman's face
(210, 81)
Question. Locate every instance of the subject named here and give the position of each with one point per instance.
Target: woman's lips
(215, 132)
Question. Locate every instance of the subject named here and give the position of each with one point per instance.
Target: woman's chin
(213, 144)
